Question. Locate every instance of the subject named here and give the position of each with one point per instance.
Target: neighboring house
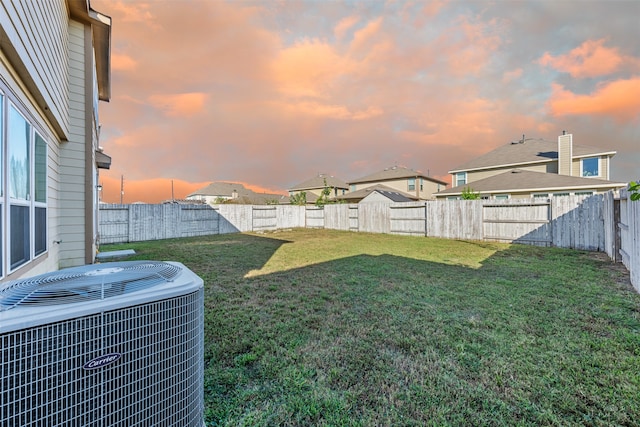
(54, 68)
(377, 193)
(401, 179)
(313, 187)
(535, 168)
(233, 192)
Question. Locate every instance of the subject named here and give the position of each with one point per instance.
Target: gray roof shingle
(530, 151)
(318, 181)
(392, 173)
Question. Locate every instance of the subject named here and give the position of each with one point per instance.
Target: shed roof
(391, 193)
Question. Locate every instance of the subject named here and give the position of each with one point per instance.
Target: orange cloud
(337, 112)
(362, 37)
(146, 190)
(619, 99)
(159, 190)
(180, 105)
(308, 68)
(344, 25)
(590, 59)
(137, 13)
(121, 62)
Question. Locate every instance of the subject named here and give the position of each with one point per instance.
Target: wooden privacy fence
(595, 223)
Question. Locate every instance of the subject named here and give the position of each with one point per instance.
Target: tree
(468, 194)
(634, 189)
(299, 199)
(324, 195)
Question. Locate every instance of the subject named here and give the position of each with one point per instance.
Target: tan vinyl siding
(604, 164)
(402, 185)
(37, 34)
(72, 162)
(565, 155)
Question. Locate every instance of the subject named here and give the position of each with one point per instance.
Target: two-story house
(54, 68)
(414, 185)
(313, 187)
(535, 168)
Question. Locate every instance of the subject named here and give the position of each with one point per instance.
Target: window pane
(19, 235)
(590, 167)
(40, 169)
(461, 178)
(18, 138)
(41, 230)
(412, 184)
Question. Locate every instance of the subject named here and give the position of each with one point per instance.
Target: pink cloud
(511, 75)
(362, 38)
(345, 25)
(180, 105)
(590, 59)
(121, 62)
(619, 99)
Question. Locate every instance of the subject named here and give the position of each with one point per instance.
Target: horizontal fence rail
(596, 223)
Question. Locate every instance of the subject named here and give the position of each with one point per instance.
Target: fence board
(517, 221)
(314, 217)
(336, 217)
(408, 218)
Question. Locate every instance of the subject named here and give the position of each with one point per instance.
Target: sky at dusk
(271, 93)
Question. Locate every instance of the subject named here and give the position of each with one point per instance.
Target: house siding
(73, 156)
(565, 155)
(37, 46)
(402, 185)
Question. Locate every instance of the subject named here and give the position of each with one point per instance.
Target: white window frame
(540, 195)
(501, 196)
(599, 167)
(458, 180)
(411, 184)
(7, 202)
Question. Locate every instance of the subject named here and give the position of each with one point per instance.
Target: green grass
(318, 327)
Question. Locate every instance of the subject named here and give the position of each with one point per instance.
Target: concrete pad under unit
(110, 255)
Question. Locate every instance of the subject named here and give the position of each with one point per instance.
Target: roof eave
(101, 31)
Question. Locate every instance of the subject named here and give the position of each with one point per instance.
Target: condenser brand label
(102, 361)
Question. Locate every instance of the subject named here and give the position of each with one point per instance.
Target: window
(501, 196)
(411, 184)
(560, 194)
(421, 184)
(352, 187)
(23, 192)
(541, 195)
(584, 193)
(461, 178)
(590, 166)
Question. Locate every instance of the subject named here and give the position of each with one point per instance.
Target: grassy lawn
(319, 327)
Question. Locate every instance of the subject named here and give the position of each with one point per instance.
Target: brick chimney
(565, 154)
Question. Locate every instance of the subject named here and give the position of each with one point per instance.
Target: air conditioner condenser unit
(114, 344)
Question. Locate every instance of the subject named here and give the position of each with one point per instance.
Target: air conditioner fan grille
(86, 283)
